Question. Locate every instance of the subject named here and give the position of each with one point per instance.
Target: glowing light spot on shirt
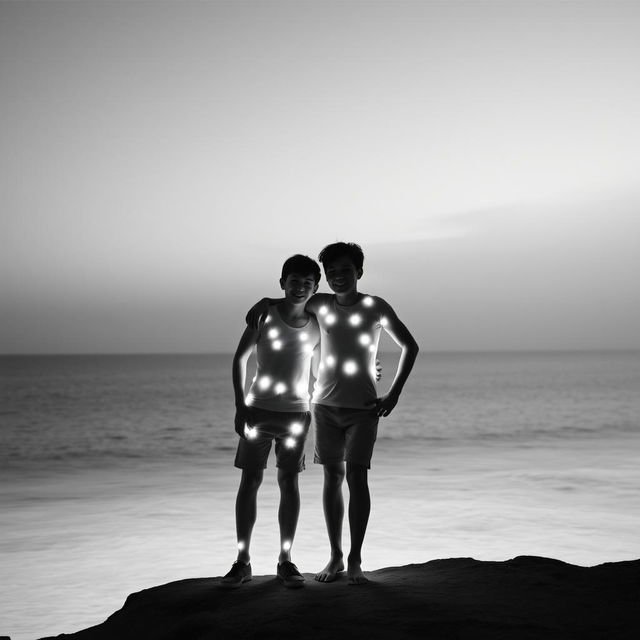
(323, 310)
(321, 366)
(264, 383)
(286, 545)
(280, 387)
(250, 398)
(330, 319)
(241, 545)
(290, 443)
(273, 333)
(250, 432)
(349, 367)
(367, 301)
(304, 336)
(308, 348)
(296, 428)
(355, 319)
(372, 348)
(277, 345)
(330, 361)
(383, 321)
(364, 339)
(302, 389)
(254, 378)
(267, 319)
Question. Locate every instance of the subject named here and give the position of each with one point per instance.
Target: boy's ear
(359, 272)
(281, 281)
(315, 288)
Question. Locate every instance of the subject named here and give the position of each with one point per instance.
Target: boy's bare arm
(239, 376)
(403, 338)
(256, 314)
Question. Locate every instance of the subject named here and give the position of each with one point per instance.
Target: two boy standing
(335, 336)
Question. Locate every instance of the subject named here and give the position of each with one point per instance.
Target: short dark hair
(303, 265)
(336, 250)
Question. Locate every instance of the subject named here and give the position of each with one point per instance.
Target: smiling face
(298, 287)
(342, 275)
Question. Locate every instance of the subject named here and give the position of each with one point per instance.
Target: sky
(160, 160)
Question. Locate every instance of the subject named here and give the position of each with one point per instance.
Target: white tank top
(283, 359)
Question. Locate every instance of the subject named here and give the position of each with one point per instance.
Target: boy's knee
(334, 473)
(252, 478)
(357, 474)
(287, 480)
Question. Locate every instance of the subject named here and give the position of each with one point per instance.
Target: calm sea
(117, 473)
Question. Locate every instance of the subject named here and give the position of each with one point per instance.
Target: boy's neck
(347, 299)
(292, 310)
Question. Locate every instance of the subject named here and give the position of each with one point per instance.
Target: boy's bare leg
(288, 511)
(359, 509)
(333, 504)
(246, 509)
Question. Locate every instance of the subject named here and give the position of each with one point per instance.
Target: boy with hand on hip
(345, 405)
(276, 408)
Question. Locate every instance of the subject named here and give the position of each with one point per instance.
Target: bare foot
(355, 575)
(329, 573)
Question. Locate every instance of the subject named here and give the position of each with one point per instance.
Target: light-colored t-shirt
(348, 349)
(283, 358)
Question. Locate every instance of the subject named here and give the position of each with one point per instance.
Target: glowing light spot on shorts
(330, 319)
(241, 545)
(330, 361)
(277, 345)
(273, 333)
(364, 339)
(286, 545)
(296, 428)
(304, 336)
(290, 443)
(280, 387)
(383, 321)
(355, 319)
(264, 383)
(323, 310)
(349, 367)
(367, 301)
(251, 433)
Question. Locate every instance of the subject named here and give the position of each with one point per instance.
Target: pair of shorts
(344, 434)
(288, 429)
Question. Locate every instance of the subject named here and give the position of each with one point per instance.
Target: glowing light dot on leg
(364, 339)
(367, 301)
(355, 319)
(280, 387)
(290, 443)
(286, 545)
(296, 428)
(350, 367)
(330, 318)
(273, 333)
(277, 345)
(241, 545)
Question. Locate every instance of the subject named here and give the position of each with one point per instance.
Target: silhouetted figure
(276, 408)
(345, 406)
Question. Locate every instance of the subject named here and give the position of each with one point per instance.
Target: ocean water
(116, 473)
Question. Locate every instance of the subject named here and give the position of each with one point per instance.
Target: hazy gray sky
(159, 161)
